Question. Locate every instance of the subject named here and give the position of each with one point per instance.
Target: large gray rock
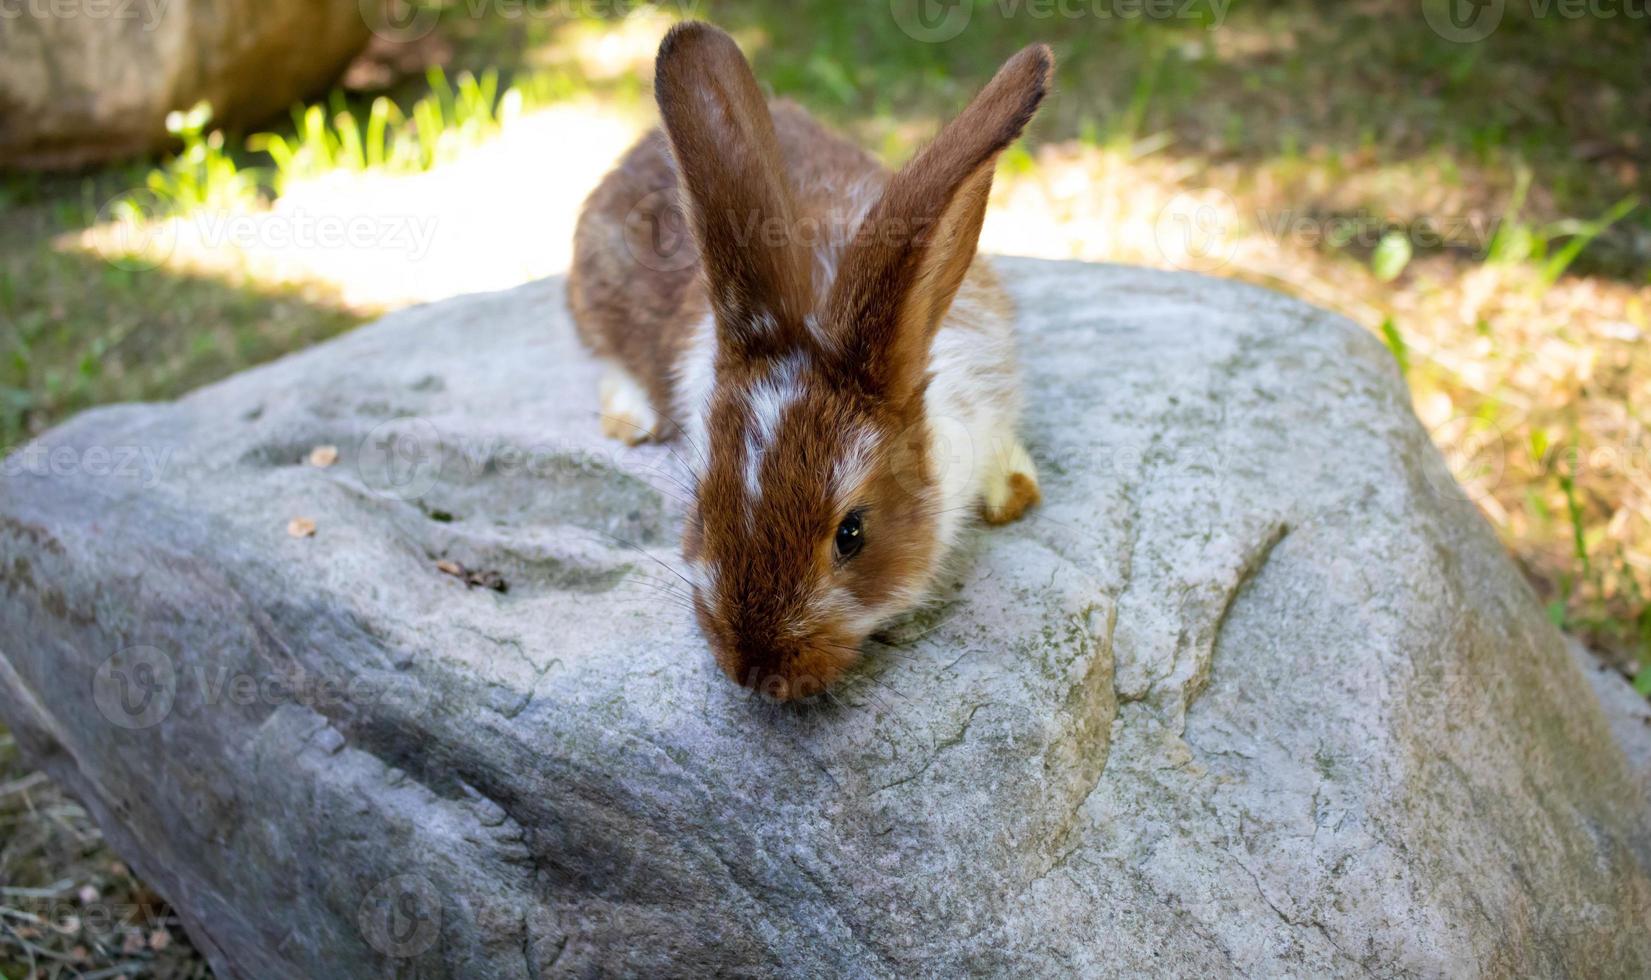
(84, 81)
(1256, 691)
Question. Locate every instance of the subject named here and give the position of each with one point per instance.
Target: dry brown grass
(69, 909)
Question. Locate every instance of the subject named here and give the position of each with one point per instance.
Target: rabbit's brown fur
(827, 338)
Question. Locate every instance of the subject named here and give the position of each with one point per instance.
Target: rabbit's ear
(907, 260)
(722, 137)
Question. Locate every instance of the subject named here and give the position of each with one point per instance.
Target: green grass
(81, 332)
(326, 138)
(436, 129)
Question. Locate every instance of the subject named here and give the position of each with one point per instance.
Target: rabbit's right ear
(722, 137)
(897, 280)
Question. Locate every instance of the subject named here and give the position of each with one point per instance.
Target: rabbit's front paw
(627, 415)
(1011, 484)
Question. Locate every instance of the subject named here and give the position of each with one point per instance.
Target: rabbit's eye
(851, 535)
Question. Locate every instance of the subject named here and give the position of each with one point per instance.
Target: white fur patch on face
(838, 605)
(869, 618)
(835, 605)
(769, 400)
(850, 472)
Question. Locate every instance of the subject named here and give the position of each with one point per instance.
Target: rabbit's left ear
(899, 275)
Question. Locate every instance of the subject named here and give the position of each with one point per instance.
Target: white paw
(627, 414)
(1011, 483)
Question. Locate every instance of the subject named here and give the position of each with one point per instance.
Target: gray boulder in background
(88, 81)
(1255, 691)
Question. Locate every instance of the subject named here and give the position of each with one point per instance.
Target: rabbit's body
(639, 299)
(822, 335)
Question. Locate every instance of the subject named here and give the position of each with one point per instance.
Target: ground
(1482, 205)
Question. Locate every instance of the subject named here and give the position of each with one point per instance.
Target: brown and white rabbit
(842, 364)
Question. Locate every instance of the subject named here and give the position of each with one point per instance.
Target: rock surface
(85, 81)
(1256, 691)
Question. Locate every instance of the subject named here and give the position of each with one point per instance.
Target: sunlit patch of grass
(328, 138)
(441, 125)
(202, 175)
(1321, 94)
